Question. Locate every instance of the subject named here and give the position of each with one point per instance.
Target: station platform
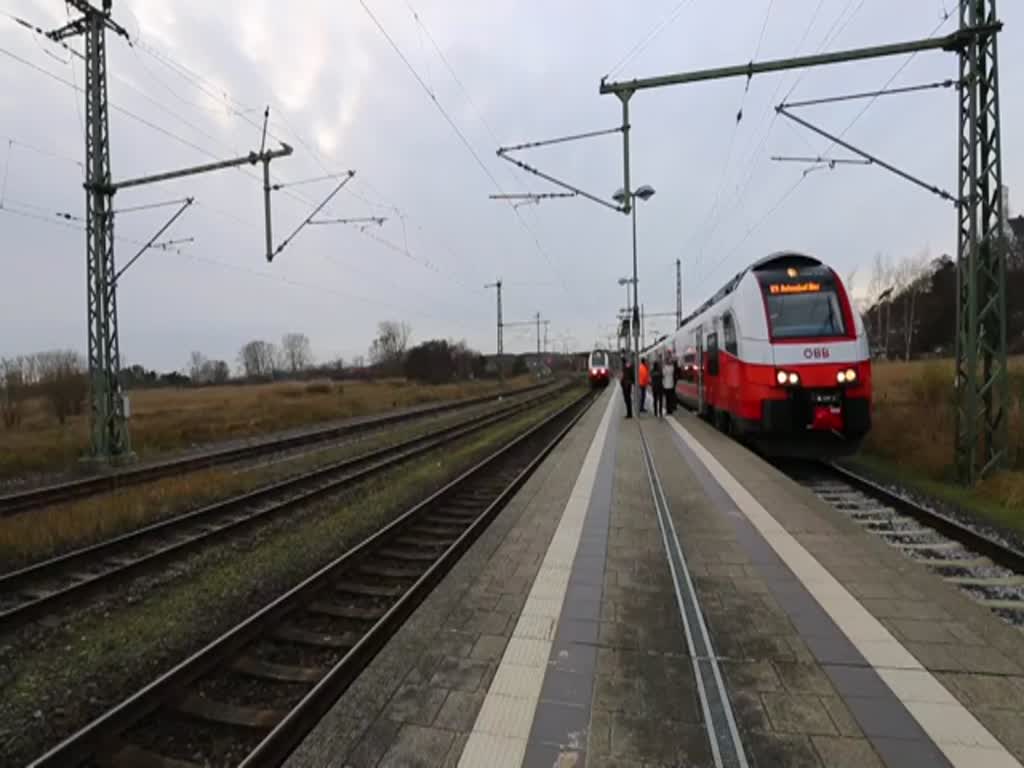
(656, 595)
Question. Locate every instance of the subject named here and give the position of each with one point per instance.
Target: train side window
(690, 366)
(729, 334)
(712, 353)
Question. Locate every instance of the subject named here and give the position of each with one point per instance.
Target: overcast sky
(201, 72)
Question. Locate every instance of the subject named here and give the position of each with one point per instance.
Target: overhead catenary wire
(451, 71)
(871, 94)
(463, 139)
(154, 126)
(149, 243)
(41, 151)
(237, 108)
(837, 28)
(151, 206)
(243, 112)
(735, 129)
(826, 152)
(7, 168)
(649, 37)
(272, 276)
(6, 208)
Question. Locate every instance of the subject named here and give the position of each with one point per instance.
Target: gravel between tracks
(971, 519)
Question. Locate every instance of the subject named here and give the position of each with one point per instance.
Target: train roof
(778, 259)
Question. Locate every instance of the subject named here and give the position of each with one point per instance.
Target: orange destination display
(783, 288)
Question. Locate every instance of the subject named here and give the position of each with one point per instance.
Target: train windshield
(598, 360)
(805, 315)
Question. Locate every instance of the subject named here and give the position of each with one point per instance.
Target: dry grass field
(913, 426)
(169, 420)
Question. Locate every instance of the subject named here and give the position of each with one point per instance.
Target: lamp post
(623, 197)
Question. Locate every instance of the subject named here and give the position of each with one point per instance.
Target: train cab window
(805, 306)
(729, 334)
(712, 353)
(598, 359)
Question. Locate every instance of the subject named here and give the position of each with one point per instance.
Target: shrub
(318, 388)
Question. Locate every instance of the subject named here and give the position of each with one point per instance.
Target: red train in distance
(779, 358)
(599, 366)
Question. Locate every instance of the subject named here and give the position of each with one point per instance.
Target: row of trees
(262, 359)
(60, 378)
(910, 308)
(438, 361)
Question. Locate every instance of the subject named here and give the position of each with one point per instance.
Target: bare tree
(204, 371)
(257, 358)
(296, 352)
(911, 280)
(880, 290)
(12, 390)
(219, 372)
(63, 381)
(197, 360)
(390, 345)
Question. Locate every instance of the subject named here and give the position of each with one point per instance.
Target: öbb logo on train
(816, 353)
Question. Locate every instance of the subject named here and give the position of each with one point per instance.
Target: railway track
(43, 587)
(35, 498)
(988, 570)
(251, 695)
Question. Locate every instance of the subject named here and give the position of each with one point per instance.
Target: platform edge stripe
(479, 751)
(887, 656)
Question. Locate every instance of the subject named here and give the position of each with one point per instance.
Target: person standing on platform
(658, 388)
(645, 382)
(627, 385)
(668, 381)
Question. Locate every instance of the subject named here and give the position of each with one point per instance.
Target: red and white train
(599, 365)
(778, 357)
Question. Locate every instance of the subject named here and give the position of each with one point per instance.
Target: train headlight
(841, 377)
(847, 377)
(787, 378)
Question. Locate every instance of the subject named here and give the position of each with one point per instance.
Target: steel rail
(23, 501)
(98, 737)
(199, 527)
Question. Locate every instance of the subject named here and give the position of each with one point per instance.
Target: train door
(713, 392)
(699, 364)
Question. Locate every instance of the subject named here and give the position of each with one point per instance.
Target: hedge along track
(43, 587)
(250, 696)
(37, 498)
(989, 571)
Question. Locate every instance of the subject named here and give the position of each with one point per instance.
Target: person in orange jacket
(645, 382)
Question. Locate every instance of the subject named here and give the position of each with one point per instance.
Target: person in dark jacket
(627, 385)
(658, 388)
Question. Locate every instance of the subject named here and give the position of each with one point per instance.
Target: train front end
(599, 368)
(818, 398)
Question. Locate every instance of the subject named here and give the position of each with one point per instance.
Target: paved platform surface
(671, 600)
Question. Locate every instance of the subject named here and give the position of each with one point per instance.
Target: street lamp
(627, 281)
(621, 196)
